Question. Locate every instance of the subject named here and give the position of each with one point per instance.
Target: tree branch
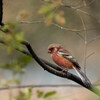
(54, 69)
(48, 66)
(1, 11)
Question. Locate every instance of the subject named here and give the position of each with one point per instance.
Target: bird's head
(53, 48)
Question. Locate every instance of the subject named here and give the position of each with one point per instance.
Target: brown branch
(87, 5)
(97, 37)
(77, 9)
(55, 69)
(31, 22)
(85, 41)
(1, 11)
(46, 65)
(59, 73)
(90, 55)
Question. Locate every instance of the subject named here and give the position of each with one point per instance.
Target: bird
(66, 61)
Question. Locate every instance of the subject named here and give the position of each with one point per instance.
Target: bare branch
(61, 27)
(90, 55)
(66, 28)
(72, 30)
(93, 39)
(59, 73)
(77, 9)
(84, 2)
(56, 69)
(85, 42)
(31, 22)
(87, 5)
(1, 11)
(91, 2)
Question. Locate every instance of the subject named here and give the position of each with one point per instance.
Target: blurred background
(41, 35)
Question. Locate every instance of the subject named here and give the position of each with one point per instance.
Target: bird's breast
(61, 61)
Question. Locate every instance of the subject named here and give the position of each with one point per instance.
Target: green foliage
(46, 8)
(5, 28)
(21, 96)
(4, 83)
(41, 94)
(17, 66)
(24, 60)
(48, 94)
(26, 95)
(13, 36)
(7, 84)
(52, 13)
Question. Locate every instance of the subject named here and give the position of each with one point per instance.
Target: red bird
(64, 59)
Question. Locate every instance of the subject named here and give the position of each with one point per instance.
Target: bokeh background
(40, 36)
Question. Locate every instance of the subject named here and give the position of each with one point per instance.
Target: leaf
(20, 96)
(19, 37)
(4, 83)
(5, 28)
(45, 8)
(40, 94)
(24, 59)
(49, 15)
(12, 81)
(28, 93)
(48, 94)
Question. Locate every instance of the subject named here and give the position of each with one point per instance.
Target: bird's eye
(51, 49)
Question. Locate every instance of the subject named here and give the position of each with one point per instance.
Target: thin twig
(80, 36)
(69, 29)
(57, 71)
(85, 42)
(77, 9)
(61, 27)
(78, 3)
(84, 2)
(93, 39)
(1, 11)
(66, 75)
(90, 55)
(53, 70)
(91, 2)
(87, 5)
(31, 22)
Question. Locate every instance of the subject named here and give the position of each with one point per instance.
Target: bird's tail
(83, 77)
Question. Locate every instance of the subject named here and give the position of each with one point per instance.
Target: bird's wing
(70, 58)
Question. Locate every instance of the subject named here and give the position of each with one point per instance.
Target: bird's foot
(64, 70)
